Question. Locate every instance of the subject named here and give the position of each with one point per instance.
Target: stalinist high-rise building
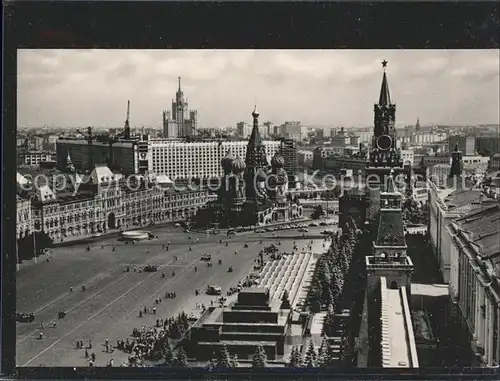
(179, 122)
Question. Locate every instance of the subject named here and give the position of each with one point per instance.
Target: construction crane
(123, 134)
(90, 138)
(126, 128)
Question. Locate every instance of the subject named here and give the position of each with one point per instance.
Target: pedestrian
(70, 290)
(54, 324)
(145, 309)
(93, 356)
(106, 341)
(91, 363)
(40, 335)
(86, 354)
(77, 345)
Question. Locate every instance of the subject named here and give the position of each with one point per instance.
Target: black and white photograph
(258, 208)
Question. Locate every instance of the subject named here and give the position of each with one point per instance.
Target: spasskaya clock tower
(384, 157)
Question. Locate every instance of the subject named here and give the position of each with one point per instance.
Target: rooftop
(482, 228)
(390, 229)
(398, 341)
(402, 261)
(255, 290)
(466, 200)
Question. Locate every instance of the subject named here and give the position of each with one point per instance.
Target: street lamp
(17, 255)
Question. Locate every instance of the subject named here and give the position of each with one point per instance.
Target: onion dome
(227, 161)
(238, 165)
(255, 113)
(277, 161)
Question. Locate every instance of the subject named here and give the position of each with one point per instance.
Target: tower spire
(456, 168)
(385, 97)
(179, 83)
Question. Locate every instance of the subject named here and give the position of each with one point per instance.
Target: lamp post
(17, 255)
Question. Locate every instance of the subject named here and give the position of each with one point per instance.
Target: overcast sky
(318, 87)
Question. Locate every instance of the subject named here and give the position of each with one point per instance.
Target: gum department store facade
(104, 201)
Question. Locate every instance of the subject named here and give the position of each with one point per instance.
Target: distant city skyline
(75, 88)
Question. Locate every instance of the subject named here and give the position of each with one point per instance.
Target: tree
(168, 356)
(330, 359)
(318, 213)
(26, 245)
(234, 361)
(322, 352)
(212, 364)
(329, 321)
(182, 359)
(314, 296)
(311, 356)
(259, 359)
(295, 358)
(224, 359)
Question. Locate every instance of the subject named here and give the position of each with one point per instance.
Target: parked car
(213, 290)
(25, 318)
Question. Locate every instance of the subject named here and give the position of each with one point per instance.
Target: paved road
(109, 307)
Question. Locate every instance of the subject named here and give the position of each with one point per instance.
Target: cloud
(319, 87)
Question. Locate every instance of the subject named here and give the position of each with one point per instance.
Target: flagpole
(34, 245)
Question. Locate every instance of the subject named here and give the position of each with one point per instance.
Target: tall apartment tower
(288, 150)
(177, 123)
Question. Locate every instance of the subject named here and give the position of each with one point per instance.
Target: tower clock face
(384, 142)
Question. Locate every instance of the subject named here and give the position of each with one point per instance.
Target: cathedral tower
(256, 161)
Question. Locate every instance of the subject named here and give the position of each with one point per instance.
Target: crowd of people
(151, 342)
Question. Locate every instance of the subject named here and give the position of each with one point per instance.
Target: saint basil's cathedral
(252, 192)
